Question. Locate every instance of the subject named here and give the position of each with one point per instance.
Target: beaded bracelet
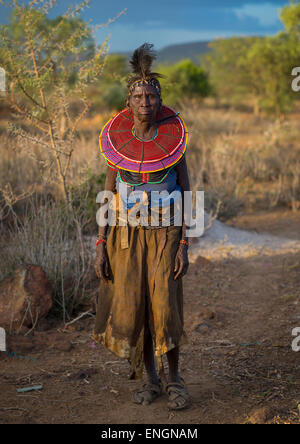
(184, 242)
(99, 241)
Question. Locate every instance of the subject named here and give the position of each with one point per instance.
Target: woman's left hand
(181, 261)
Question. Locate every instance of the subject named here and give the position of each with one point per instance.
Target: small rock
(202, 328)
(83, 373)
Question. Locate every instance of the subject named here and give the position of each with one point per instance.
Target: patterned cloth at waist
(141, 216)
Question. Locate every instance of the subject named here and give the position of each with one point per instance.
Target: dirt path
(239, 365)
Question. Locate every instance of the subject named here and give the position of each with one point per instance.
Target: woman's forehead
(148, 89)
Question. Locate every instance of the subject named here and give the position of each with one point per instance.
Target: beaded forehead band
(152, 82)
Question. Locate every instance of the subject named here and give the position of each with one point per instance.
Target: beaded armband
(184, 242)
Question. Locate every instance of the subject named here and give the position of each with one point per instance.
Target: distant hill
(175, 53)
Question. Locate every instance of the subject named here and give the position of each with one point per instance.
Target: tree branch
(27, 115)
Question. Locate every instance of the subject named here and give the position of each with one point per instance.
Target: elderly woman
(140, 302)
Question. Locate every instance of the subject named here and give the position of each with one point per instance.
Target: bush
(84, 198)
(224, 206)
(111, 90)
(183, 81)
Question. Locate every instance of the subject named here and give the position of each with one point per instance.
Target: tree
(48, 63)
(184, 80)
(270, 63)
(111, 90)
(258, 69)
(290, 17)
(228, 68)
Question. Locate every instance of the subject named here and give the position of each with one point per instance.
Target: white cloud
(265, 13)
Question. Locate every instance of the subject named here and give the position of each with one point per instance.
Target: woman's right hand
(101, 264)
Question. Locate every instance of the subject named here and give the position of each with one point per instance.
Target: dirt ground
(239, 365)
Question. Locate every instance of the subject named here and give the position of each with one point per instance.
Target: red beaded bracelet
(182, 241)
(100, 240)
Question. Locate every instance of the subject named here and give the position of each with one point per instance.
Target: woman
(140, 303)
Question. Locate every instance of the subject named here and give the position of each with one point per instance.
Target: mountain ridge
(174, 53)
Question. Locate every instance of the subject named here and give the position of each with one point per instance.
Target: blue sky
(166, 22)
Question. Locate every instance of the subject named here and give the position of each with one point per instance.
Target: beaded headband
(152, 82)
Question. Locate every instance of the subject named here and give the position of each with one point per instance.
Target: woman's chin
(146, 117)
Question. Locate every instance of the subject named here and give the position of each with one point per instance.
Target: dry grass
(244, 160)
(36, 227)
(52, 237)
(24, 165)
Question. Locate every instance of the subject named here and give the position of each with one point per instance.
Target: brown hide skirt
(142, 285)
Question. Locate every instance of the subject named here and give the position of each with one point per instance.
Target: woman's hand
(181, 261)
(101, 264)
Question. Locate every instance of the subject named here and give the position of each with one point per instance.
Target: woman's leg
(173, 360)
(149, 360)
(153, 388)
(178, 395)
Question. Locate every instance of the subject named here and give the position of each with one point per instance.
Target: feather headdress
(141, 63)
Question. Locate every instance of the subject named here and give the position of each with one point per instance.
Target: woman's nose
(145, 100)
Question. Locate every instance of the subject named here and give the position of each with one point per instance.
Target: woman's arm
(181, 260)
(184, 182)
(101, 263)
(110, 184)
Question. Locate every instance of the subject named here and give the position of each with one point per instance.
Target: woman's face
(144, 103)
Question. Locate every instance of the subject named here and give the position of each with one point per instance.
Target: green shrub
(183, 81)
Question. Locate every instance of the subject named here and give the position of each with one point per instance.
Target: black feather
(142, 59)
